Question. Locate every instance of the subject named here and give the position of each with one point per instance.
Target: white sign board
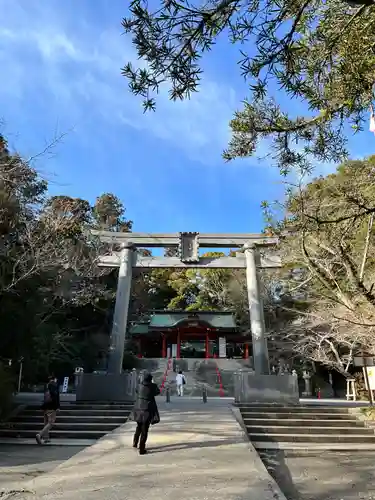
(65, 384)
(371, 377)
(222, 347)
(174, 350)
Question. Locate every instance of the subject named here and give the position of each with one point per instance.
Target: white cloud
(73, 68)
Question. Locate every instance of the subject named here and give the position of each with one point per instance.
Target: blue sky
(60, 64)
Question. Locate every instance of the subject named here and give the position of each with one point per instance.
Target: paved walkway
(197, 452)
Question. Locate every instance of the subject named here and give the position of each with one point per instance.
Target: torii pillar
(120, 316)
(258, 330)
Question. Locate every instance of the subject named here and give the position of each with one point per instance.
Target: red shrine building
(185, 334)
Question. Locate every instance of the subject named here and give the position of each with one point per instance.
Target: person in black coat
(145, 412)
(50, 406)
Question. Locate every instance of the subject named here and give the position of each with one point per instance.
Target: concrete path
(197, 452)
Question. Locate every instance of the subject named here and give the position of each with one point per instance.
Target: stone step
(105, 427)
(94, 407)
(328, 431)
(300, 415)
(82, 413)
(314, 438)
(301, 404)
(55, 434)
(304, 447)
(293, 409)
(73, 419)
(290, 422)
(56, 442)
(105, 403)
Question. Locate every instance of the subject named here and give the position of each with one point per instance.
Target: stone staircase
(200, 374)
(308, 428)
(76, 424)
(203, 374)
(156, 366)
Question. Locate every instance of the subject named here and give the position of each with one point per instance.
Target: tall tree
(109, 214)
(318, 53)
(56, 304)
(328, 250)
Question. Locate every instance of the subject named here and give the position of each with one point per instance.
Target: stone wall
(251, 388)
(107, 388)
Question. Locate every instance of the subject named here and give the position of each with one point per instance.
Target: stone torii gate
(188, 244)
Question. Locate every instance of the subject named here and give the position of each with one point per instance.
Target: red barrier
(166, 374)
(221, 390)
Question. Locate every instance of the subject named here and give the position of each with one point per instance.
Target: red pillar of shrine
(164, 348)
(178, 344)
(207, 346)
(246, 354)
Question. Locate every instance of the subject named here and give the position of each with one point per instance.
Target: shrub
(369, 413)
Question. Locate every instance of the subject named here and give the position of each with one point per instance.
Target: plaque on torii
(188, 248)
(188, 244)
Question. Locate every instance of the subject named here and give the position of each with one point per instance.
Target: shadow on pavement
(19, 455)
(191, 445)
(19, 464)
(274, 460)
(322, 475)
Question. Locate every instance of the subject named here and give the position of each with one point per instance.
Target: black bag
(183, 380)
(47, 399)
(155, 417)
(47, 395)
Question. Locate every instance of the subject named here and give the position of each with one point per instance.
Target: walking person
(145, 412)
(180, 382)
(50, 406)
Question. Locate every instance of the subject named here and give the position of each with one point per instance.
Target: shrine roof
(139, 329)
(159, 320)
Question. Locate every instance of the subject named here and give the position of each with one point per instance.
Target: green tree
(56, 304)
(109, 214)
(318, 53)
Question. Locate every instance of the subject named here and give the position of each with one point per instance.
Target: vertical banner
(65, 384)
(222, 347)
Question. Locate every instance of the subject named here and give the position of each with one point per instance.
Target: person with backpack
(180, 382)
(50, 406)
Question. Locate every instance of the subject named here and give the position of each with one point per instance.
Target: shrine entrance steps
(215, 376)
(76, 425)
(197, 451)
(307, 428)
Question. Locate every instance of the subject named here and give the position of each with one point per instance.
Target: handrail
(221, 389)
(165, 374)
